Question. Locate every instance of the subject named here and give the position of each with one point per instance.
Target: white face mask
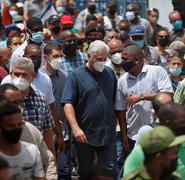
(130, 15)
(116, 58)
(99, 66)
(56, 63)
(20, 83)
(13, 13)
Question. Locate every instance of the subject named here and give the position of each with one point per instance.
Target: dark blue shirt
(93, 98)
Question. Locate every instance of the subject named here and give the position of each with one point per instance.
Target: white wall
(164, 7)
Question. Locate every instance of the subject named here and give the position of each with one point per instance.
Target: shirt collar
(48, 73)
(31, 93)
(143, 70)
(45, 71)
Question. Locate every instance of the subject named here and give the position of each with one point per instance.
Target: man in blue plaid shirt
(35, 109)
(72, 58)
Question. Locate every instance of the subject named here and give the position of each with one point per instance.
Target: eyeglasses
(163, 37)
(70, 41)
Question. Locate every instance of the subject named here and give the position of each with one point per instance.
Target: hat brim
(138, 34)
(178, 140)
(54, 20)
(67, 22)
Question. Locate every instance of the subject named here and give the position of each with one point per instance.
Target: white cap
(19, 4)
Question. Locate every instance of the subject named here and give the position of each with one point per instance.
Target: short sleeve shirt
(35, 110)
(152, 79)
(80, 23)
(68, 65)
(58, 82)
(43, 83)
(92, 96)
(26, 164)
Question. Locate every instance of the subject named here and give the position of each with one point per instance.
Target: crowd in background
(90, 96)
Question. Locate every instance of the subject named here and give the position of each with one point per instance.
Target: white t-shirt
(108, 24)
(26, 164)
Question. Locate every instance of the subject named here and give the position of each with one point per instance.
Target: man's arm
(135, 98)
(121, 115)
(48, 138)
(77, 131)
(56, 119)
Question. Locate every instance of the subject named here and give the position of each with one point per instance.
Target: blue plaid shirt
(35, 110)
(69, 65)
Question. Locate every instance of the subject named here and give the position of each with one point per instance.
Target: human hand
(79, 135)
(126, 143)
(132, 99)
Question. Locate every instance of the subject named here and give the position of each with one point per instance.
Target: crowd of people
(90, 96)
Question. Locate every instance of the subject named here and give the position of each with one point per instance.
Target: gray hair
(97, 46)
(24, 63)
(172, 13)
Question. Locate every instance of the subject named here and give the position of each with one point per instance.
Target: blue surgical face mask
(140, 43)
(37, 37)
(178, 24)
(60, 9)
(175, 71)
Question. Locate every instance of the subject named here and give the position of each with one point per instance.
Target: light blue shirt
(152, 79)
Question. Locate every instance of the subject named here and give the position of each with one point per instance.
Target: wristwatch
(142, 98)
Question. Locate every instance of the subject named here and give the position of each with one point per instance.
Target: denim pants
(106, 156)
(120, 152)
(64, 164)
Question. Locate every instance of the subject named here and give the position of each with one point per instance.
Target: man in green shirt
(171, 115)
(160, 147)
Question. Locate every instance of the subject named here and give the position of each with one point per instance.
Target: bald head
(32, 47)
(161, 99)
(133, 50)
(66, 34)
(115, 45)
(173, 116)
(34, 52)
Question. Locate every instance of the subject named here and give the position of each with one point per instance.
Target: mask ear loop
(29, 33)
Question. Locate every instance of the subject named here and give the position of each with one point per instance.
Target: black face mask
(56, 29)
(91, 40)
(12, 136)
(36, 64)
(112, 11)
(127, 65)
(170, 169)
(163, 42)
(69, 49)
(66, 28)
